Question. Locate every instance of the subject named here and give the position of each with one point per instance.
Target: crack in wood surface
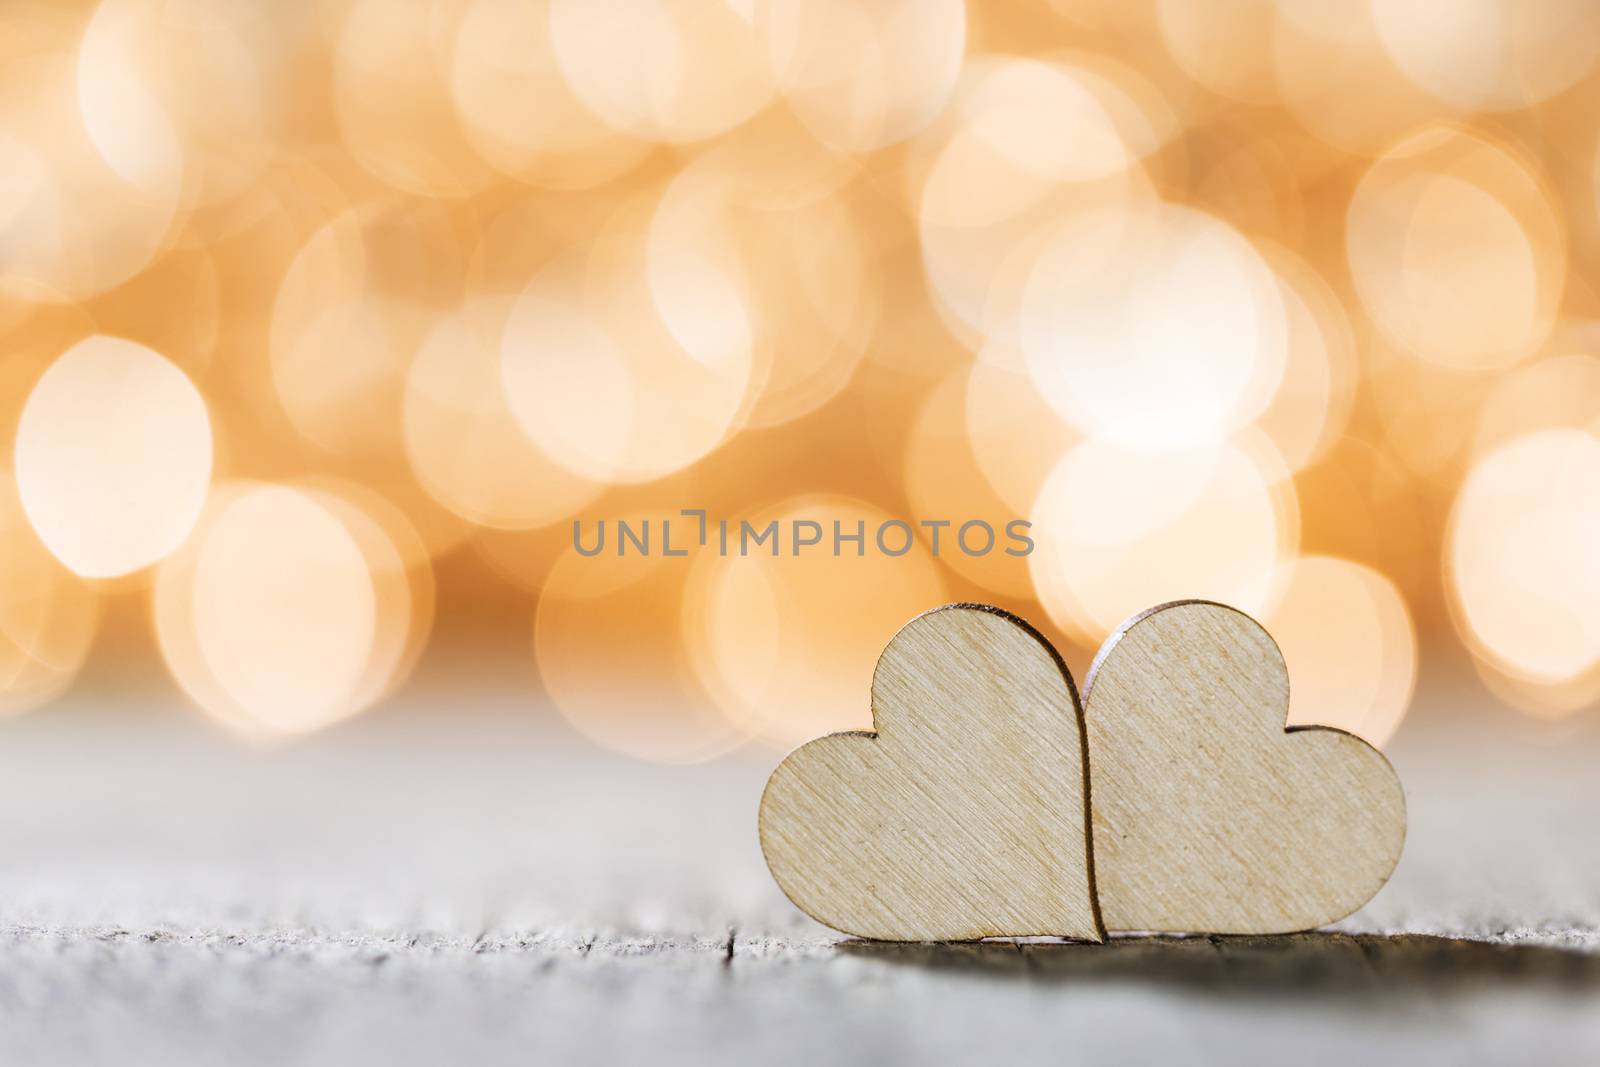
(165, 900)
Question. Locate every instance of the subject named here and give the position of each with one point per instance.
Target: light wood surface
(1209, 815)
(964, 815)
(460, 877)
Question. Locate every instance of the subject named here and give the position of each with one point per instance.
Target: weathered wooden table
(481, 886)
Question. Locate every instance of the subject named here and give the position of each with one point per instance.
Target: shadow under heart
(1287, 964)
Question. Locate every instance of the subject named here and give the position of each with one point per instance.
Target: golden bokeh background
(322, 323)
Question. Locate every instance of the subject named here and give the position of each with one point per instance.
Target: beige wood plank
(963, 816)
(1209, 815)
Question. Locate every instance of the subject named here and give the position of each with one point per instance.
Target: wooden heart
(963, 816)
(1209, 814)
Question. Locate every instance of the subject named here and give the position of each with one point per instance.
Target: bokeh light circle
(466, 446)
(1027, 146)
(271, 618)
(1491, 55)
(391, 94)
(1179, 340)
(72, 225)
(1562, 391)
(634, 365)
(1350, 646)
(1456, 252)
(1314, 401)
(945, 484)
(518, 110)
(786, 644)
(402, 581)
(611, 654)
(184, 94)
(555, 360)
(48, 614)
(862, 76)
(1225, 45)
(356, 302)
(662, 70)
(1522, 566)
(1120, 530)
(793, 265)
(1016, 437)
(1336, 78)
(113, 457)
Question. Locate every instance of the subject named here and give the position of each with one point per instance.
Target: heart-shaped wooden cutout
(964, 815)
(1209, 814)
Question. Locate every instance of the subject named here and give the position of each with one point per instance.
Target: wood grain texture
(1208, 813)
(461, 878)
(964, 815)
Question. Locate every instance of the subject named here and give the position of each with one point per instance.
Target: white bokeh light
(113, 457)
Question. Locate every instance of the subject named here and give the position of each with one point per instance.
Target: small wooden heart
(964, 815)
(1209, 814)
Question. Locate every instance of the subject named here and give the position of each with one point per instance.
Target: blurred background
(322, 324)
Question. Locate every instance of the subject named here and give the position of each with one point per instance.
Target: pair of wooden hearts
(976, 810)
